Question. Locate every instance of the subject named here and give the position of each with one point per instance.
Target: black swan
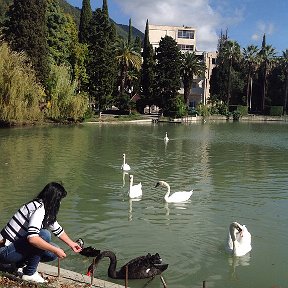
(87, 251)
(138, 268)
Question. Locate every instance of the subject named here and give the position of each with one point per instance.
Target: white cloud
(197, 13)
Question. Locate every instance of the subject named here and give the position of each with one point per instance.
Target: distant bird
(87, 251)
(135, 191)
(138, 268)
(239, 240)
(125, 166)
(176, 197)
(166, 139)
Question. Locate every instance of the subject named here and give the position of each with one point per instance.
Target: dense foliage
(67, 64)
(167, 76)
(254, 77)
(20, 92)
(25, 30)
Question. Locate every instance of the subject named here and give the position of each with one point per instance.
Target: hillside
(122, 29)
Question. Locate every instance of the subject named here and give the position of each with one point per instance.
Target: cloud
(261, 28)
(197, 13)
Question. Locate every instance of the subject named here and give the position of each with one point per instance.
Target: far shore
(147, 119)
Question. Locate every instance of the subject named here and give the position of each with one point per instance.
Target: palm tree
(251, 61)
(231, 53)
(191, 66)
(127, 58)
(284, 64)
(267, 56)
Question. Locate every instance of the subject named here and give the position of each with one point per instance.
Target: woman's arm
(66, 239)
(38, 242)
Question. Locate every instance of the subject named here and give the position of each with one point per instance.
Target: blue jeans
(20, 252)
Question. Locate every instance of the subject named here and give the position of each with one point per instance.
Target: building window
(184, 47)
(213, 60)
(187, 34)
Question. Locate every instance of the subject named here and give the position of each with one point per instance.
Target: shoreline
(190, 119)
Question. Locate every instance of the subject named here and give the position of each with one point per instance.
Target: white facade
(186, 39)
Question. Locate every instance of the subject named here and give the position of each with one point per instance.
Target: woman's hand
(59, 253)
(75, 247)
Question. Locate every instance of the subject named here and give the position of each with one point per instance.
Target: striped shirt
(27, 222)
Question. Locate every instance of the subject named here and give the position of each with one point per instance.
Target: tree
(60, 34)
(127, 58)
(251, 62)
(267, 56)
(168, 63)
(20, 92)
(25, 30)
(85, 18)
(148, 66)
(101, 67)
(284, 66)
(231, 54)
(191, 66)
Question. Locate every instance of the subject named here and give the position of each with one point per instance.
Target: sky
(245, 20)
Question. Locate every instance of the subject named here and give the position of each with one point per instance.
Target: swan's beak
(157, 184)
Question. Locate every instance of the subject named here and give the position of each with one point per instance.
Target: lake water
(238, 172)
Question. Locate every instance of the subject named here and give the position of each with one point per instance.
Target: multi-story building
(186, 39)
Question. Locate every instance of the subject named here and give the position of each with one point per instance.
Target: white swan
(166, 139)
(239, 240)
(176, 197)
(135, 191)
(125, 166)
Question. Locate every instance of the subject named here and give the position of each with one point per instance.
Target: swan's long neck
(124, 159)
(112, 273)
(165, 184)
(131, 181)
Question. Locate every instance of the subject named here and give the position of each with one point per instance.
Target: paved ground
(70, 277)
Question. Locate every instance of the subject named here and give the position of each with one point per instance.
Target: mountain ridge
(122, 29)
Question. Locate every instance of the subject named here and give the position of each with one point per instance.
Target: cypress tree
(25, 30)
(101, 67)
(130, 32)
(85, 18)
(168, 57)
(147, 77)
(105, 8)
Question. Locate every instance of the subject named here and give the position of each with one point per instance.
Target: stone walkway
(70, 277)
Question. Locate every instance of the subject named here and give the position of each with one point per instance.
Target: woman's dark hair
(51, 195)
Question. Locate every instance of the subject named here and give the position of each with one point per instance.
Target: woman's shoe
(36, 277)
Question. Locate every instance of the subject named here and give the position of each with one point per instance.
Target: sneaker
(36, 277)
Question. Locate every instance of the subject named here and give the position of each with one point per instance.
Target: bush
(65, 103)
(276, 110)
(20, 93)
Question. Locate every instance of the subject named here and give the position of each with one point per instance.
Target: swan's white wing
(125, 167)
(180, 196)
(135, 191)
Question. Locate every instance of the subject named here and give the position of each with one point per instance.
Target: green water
(238, 172)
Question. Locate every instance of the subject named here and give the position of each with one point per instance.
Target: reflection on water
(238, 172)
(234, 262)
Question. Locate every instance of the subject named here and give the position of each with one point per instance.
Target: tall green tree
(101, 67)
(25, 30)
(191, 65)
(59, 36)
(284, 66)
(127, 58)
(168, 64)
(251, 63)
(85, 18)
(148, 67)
(267, 57)
(231, 52)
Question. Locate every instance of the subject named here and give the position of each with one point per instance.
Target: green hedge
(276, 110)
